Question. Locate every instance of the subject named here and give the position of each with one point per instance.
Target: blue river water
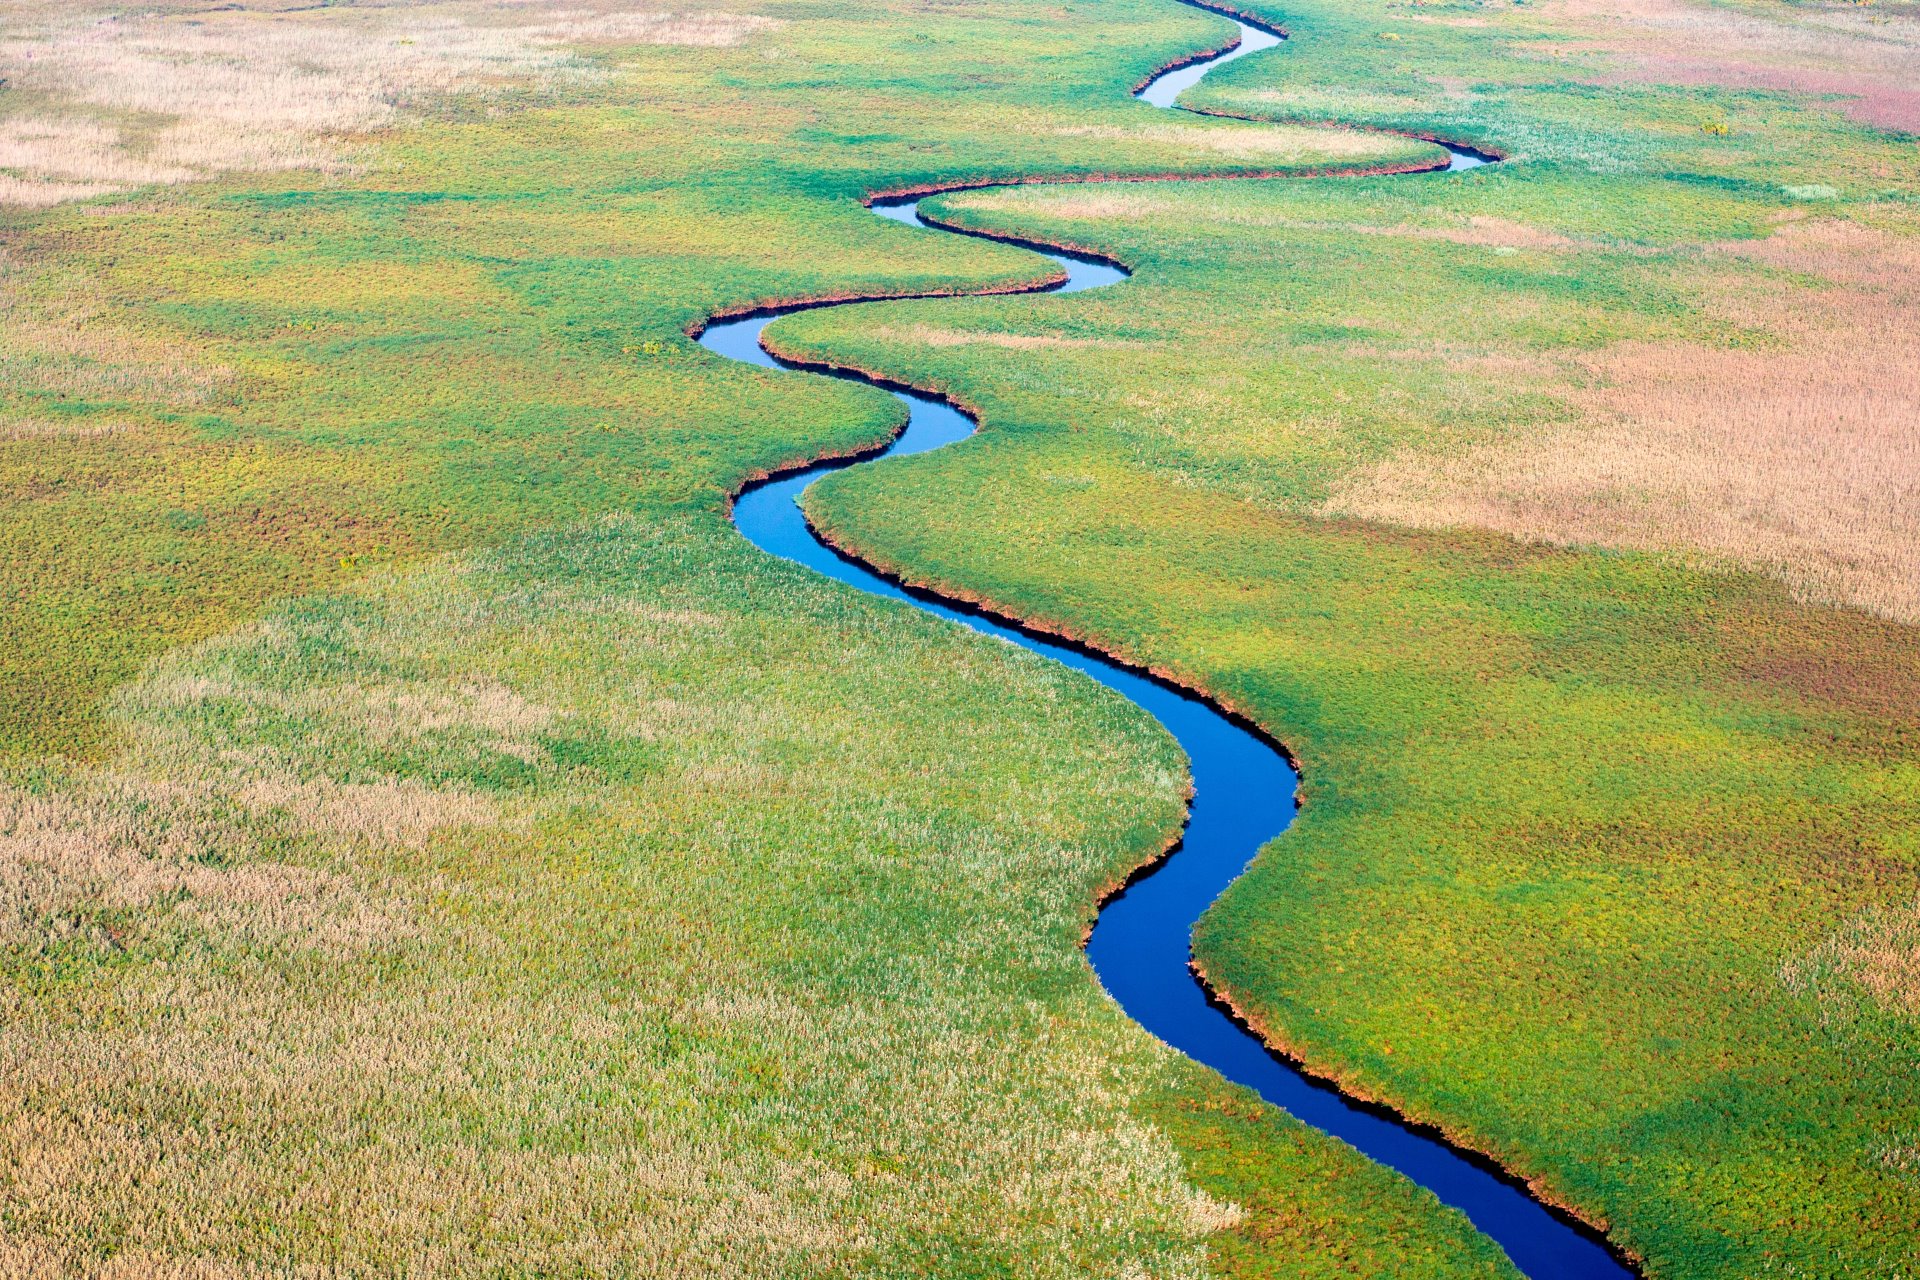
(1244, 789)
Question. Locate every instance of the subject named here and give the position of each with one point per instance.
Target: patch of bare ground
(1869, 59)
(114, 99)
(1799, 457)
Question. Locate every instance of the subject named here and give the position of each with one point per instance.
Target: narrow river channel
(1243, 797)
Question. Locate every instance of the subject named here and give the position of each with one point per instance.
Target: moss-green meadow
(435, 843)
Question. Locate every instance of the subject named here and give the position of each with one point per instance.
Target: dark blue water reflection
(1243, 797)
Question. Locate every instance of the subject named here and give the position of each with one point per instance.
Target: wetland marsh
(434, 840)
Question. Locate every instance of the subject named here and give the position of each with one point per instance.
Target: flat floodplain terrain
(434, 842)
(1606, 861)
(605, 898)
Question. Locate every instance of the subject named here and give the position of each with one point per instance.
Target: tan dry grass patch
(473, 717)
(62, 341)
(83, 1134)
(1802, 461)
(1477, 229)
(1086, 202)
(78, 357)
(402, 812)
(41, 193)
(383, 714)
(1480, 229)
(130, 98)
(69, 158)
(36, 1260)
(18, 429)
(1878, 952)
(72, 861)
(1336, 102)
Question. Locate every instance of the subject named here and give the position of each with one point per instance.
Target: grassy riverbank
(218, 390)
(603, 898)
(1607, 860)
(614, 903)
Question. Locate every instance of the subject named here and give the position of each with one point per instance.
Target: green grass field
(434, 842)
(1604, 855)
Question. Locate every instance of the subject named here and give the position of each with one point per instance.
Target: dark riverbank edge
(1064, 636)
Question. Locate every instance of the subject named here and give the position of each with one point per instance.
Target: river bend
(1244, 787)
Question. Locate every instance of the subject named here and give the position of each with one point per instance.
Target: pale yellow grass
(1472, 229)
(47, 429)
(1336, 102)
(1800, 457)
(1480, 229)
(122, 99)
(60, 338)
(126, 855)
(66, 354)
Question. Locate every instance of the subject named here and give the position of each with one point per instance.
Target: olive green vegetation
(615, 903)
(602, 898)
(485, 334)
(1576, 824)
(612, 901)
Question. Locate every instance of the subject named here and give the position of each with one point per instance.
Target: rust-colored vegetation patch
(1870, 60)
(1797, 454)
(1835, 659)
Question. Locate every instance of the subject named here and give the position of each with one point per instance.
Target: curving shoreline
(1244, 784)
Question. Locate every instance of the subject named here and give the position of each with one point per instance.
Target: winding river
(1244, 789)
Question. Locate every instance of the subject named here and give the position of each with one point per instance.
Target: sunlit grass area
(219, 394)
(614, 903)
(601, 898)
(434, 842)
(1607, 862)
